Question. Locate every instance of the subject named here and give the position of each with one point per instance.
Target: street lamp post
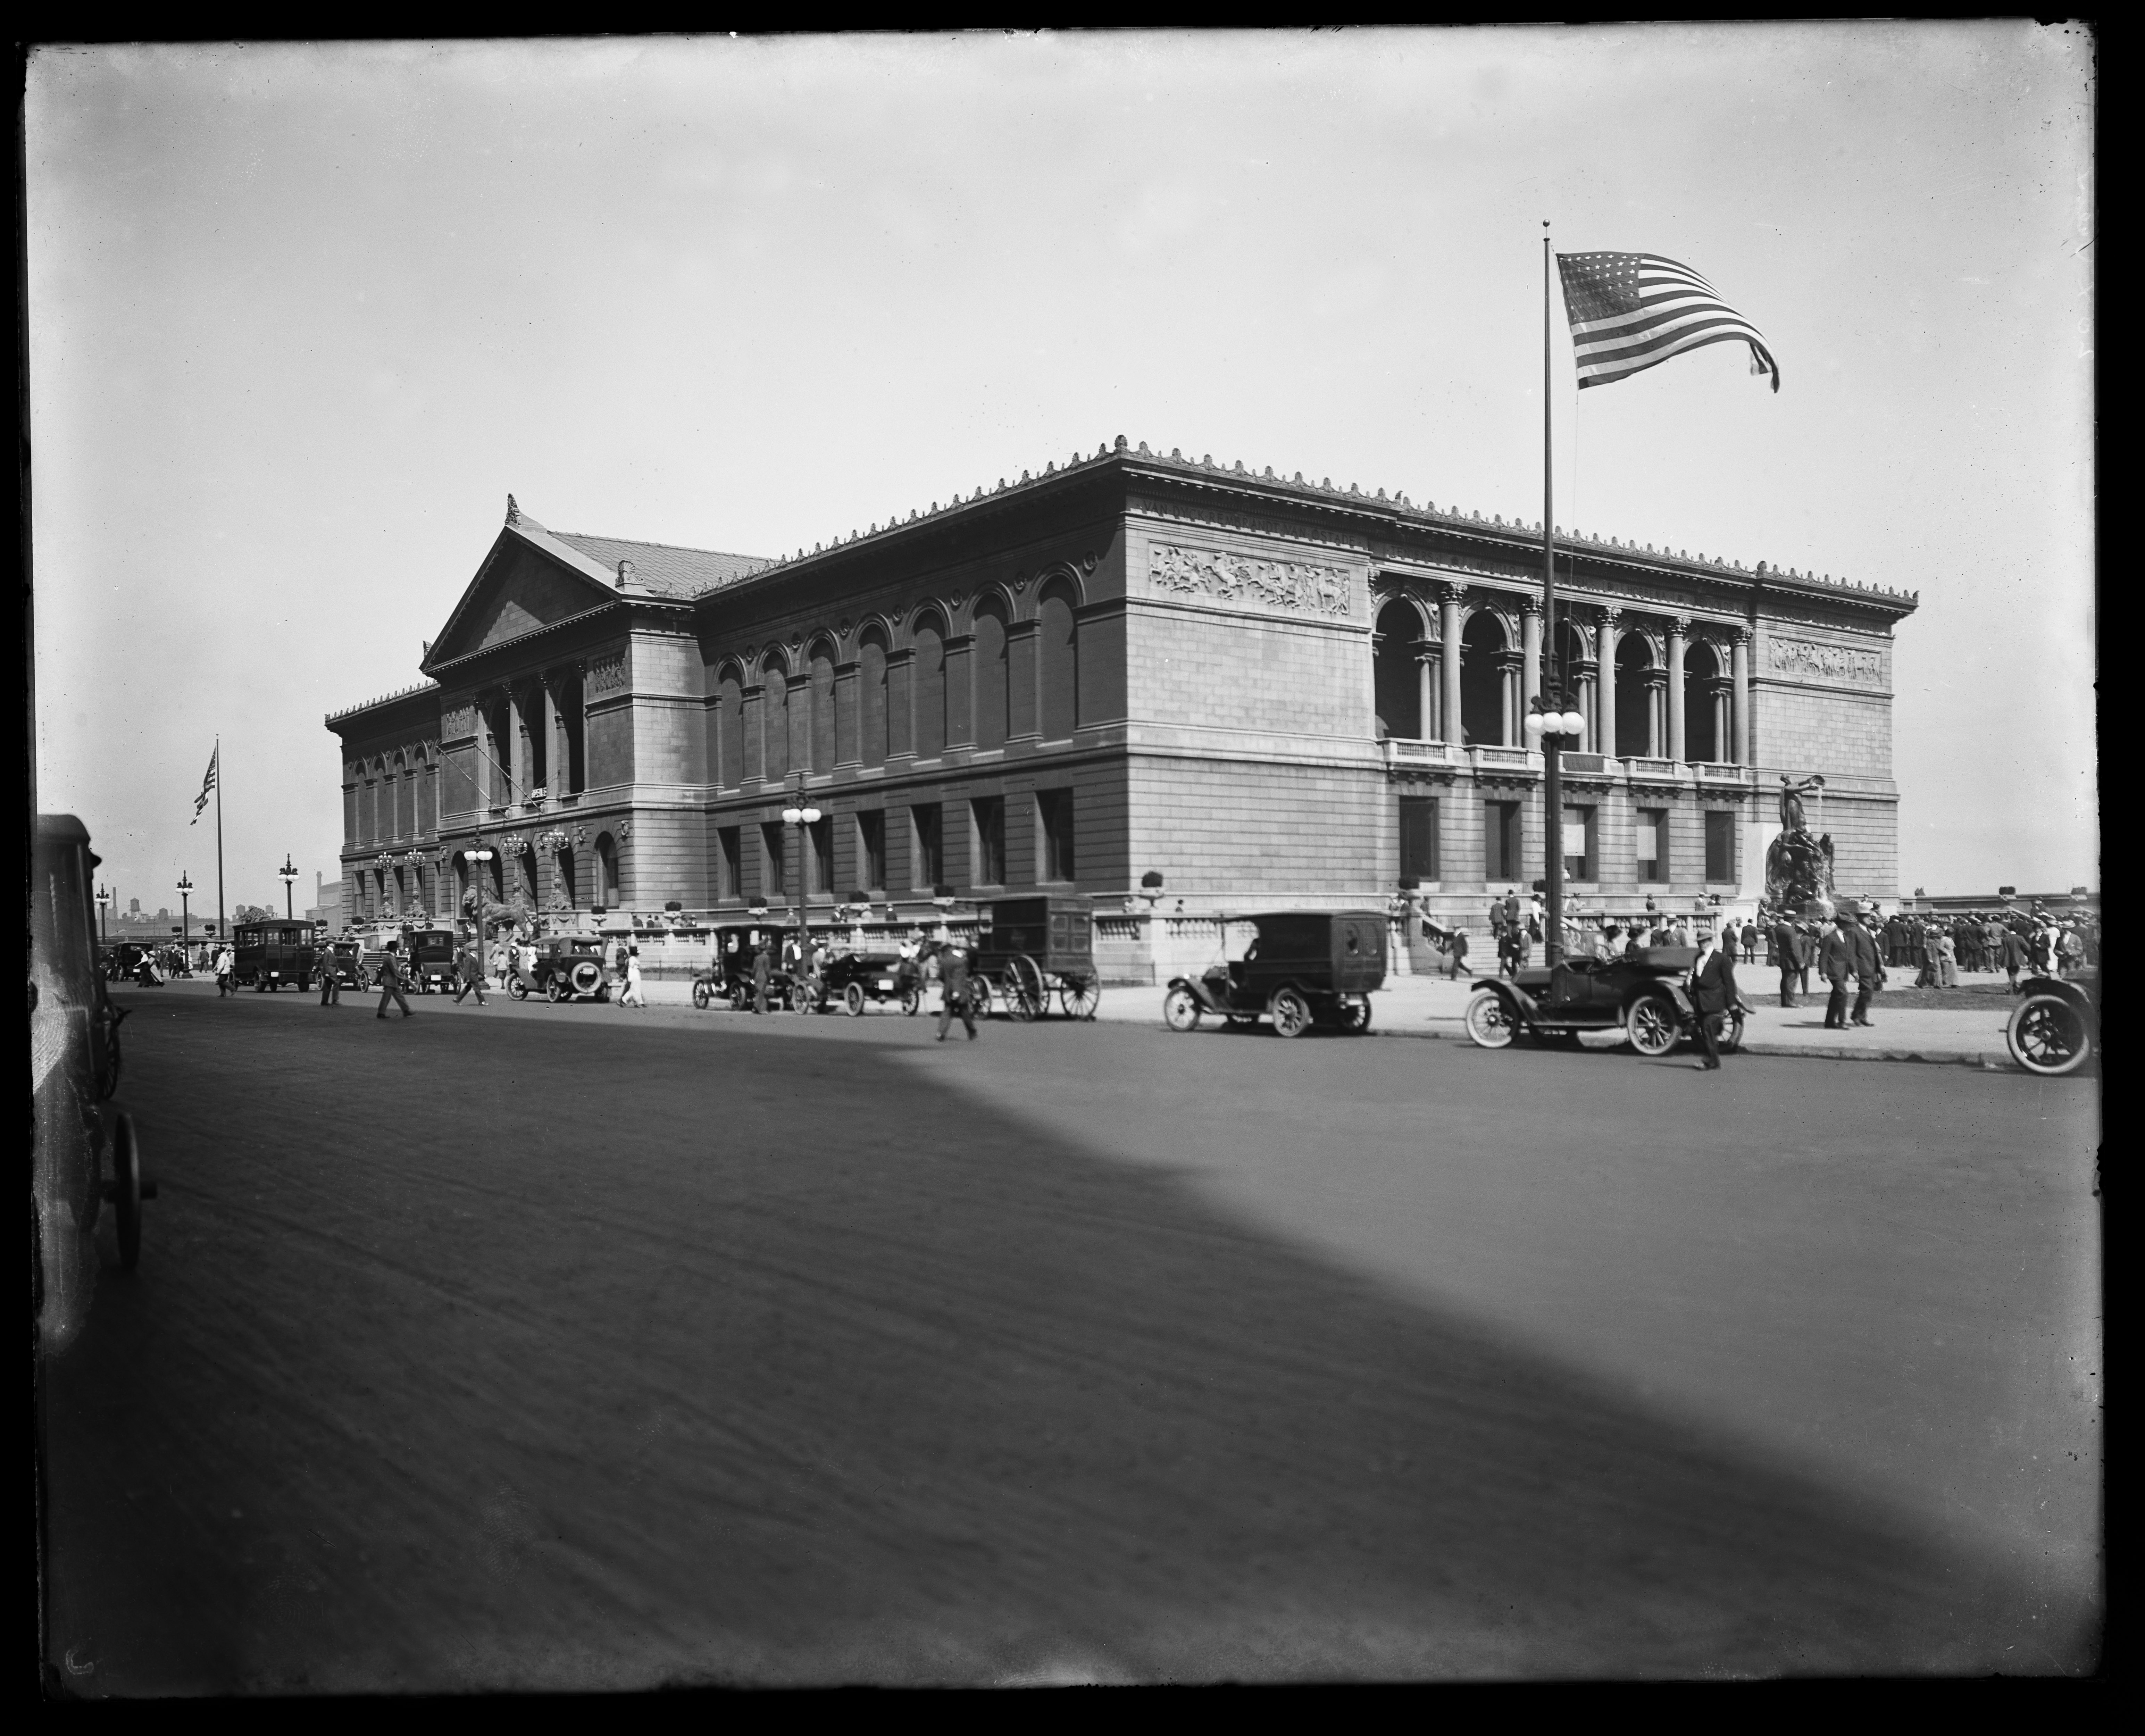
(289, 876)
(477, 858)
(103, 903)
(185, 890)
(1555, 727)
(803, 818)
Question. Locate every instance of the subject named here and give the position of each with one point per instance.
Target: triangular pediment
(528, 581)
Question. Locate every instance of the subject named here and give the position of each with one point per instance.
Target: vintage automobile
(267, 956)
(728, 975)
(1029, 951)
(1641, 994)
(428, 952)
(341, 957)
(1296, 968)
(82, 1156)
(853, 981)
(2058, 1022)
(569, 968)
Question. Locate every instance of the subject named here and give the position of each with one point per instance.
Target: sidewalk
(1432, 1007)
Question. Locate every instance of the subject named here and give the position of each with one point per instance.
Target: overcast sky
(301, 317)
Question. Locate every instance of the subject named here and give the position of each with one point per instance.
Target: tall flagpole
(221, 932)
(1553, 688)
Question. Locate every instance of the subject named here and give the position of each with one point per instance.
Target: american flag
(1630, 310)
(208, 783)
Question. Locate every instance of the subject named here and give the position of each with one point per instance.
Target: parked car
(2058, 1022)
(1296, 968)
(342, 957)
(569, 968)
(273, 955)
(1641, 993)
(428, 952)
(855, 980)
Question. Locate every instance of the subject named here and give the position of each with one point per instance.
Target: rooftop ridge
(1326, 488)
(642, 542)
(400, 693)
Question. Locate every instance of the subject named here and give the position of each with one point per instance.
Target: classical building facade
(1263, 690)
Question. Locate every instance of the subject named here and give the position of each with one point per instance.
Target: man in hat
(953, 997)
(1848, 952)
(1786, 945)
(470, 968)
(391, 980)
(1713, 994)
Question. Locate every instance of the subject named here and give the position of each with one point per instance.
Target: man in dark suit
(1787, 955)
(953, 990)
(1848, 952)
(391, 980)
(763, 975)
(1714, 993)
(471, 969)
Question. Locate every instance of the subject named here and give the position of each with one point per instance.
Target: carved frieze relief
(605, 675)
(1295, 586)
(1837, 663)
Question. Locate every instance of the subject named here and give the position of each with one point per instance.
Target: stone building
(1264, 690)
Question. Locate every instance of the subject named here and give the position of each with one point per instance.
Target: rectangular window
(731, 849)
(989, 813)
(1419, 838)
(1653, 843)
(871, 851)
(1720, 846)
(1578, 857)
(1054, 810)
(1501, 840)
(775, 883)
(821, 833)
(930, 857)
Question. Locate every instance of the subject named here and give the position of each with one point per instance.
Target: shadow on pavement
(519, 1353)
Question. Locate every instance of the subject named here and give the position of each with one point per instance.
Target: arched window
(1059, 663)
(1482, 648)
(1634, 698)
(774, 719)
(1702, 685)
(823, 708)
(1396, 671)
(607, 892)
(930, 688)
(993, 696)
(872, 697)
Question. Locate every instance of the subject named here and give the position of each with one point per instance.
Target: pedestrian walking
(470, 968)
(1849, 954)
(331, 980)
(1784, 956)
(953, 996)
(1947, 962)
(763, 975)
(225, 965)
(1455, 955)
(1714, 993)
(391, 980)
(631, 995)
(499, 962)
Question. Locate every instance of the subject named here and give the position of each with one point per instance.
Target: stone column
(1510, 665)
(1678, 630)
(1426, 709)
(547, 731)
(517, 743)
(1741, 736)
(1448, 618)
(849, 733)
(1604, 683)
(1530, 654)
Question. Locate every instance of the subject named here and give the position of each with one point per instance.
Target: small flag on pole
(208, 784)
(1629, 311)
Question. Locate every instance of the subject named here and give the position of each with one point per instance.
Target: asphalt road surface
(575, 1347)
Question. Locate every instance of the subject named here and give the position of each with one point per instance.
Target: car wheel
(2047, 1036)
(126, 1190)
(1652, 1026)
(1731, 1034)
(1291, 1013)
(517, 989)
(1355, 1016)
(701, 995)
(1181, 1010)
(551, 991)
(1489, 1021)
(912, 1001)
(852, 1000)
(800, 999)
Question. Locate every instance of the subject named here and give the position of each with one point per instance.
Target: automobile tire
(516, 989)
(912, 1001)
(1731, 1034)
(702, 994)
(1291, 1013)
(1489, 1021)
(126, 1190)
(2047, 1036)
(1355, 1017)
(586, 978)
(1652, 1026)
(1082, 999)
(1181, 1010)
(553, 992)
(852, 1000)
(800, 998)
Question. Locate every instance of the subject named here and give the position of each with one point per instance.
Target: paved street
(569, 1346)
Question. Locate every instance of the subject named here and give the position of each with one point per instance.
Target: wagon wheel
(1081, 997)
(1026, 997)
(979, 996)
(1291, 1012)
(1181, 1010)
(1489, 1022)
(2048, 1035)
(124, 1190)
(852, 1000)
(1652, 1026)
